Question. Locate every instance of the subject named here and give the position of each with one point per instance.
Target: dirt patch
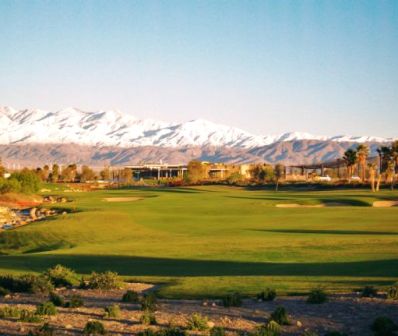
(385, 204)
(122, 199)
(345, 313)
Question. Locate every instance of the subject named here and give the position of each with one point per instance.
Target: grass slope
(205, 241)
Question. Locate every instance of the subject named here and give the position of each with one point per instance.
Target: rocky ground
(346, 313)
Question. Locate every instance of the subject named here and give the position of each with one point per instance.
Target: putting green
(205, 241)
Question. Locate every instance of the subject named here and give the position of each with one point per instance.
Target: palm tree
(372, 174)
(279, 172)
(350, 158)
(362, 156)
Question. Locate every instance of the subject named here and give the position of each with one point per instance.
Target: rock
(204, 303)
(214, 304)
(299, 324)
(33, 213)
(210, 324)
(68, 326)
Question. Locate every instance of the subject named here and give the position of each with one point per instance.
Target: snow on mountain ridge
(112, 127)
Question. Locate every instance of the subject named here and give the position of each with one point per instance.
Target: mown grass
(206, 241)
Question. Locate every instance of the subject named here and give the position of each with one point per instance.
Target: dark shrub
(267, 295)
(27, 283)
(130, 296)
(383, 326)
(280, 316)
(61, 276)
(335, 333)
(75, 301)
(172, 331)
(309, 333)
(147, 332)
(217, 331)
(10, 312)
(112, 311)
(148, 318)
(198, 322)
(8, 282)
(317, 296)
(93, 328)
(272, 328)
(104, 281)
(44, 330)
(29, 316)
(56, 299)
(46, 308)
(4, 292)
(148, 302)
(232, 300)
(392, 292)
(369, 291)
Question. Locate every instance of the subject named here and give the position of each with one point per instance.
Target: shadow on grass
(146, 266)
(331, 232)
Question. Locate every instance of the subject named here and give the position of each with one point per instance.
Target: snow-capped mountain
(114, 128)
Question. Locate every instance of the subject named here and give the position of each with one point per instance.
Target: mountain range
(113, 137)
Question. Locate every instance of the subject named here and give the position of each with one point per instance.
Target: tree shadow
(329, 232)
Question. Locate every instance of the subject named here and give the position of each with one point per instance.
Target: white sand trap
(122, 199)
(323, 205)
(385, 204)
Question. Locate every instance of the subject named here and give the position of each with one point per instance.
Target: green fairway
(205, 241)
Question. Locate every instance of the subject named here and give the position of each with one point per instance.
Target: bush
(9, 185)
(148, 318)
(309, 333)
(4, 292)
(147, 332)
(267, 295)
(369, 291)
(61, 276)
(198, 322)
(130, 296)
(104, 281)
(232, 300)
(27, 283)
(172, 331)
(112, 311)
(75, 301)
(272, 328)
(29, 316)
(29, 181)
(148, 302)
(383, 326)
(392, 292)
(280, 316)
(56, 299)
(10, 312)
(94, 328)
(335, 333)
(317, 296)
(217, 331)
(44, 330)
(46, 308)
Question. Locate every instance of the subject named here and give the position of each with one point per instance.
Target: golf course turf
(209, 240)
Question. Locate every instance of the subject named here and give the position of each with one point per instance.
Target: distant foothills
(110, 138)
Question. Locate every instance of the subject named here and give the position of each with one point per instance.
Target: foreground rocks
(345, 313)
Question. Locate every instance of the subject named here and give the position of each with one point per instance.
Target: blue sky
(325, 67)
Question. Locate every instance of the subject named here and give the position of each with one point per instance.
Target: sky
(324, 67)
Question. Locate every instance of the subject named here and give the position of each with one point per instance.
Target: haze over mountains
(112, 137)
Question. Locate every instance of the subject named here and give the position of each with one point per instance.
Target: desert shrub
(112, 311)
(232, 300)
(148, 332)
(46, 308)
(280, 316)
(4, 291)
(44, 330)
(172, 331)
(9, 185)
(56, 299)
(392, 292)
(29, 316)
(217, 331)
(198, 322)
(104, 281)
(61, 276)
(10, 312)
(27, 283)
(148, 318)
(369, 291)
(93, 328)
(268, 294)
(75, 301)
(130, 296)
(317, 296)
(383, 326)
(272, 328)
(29, 181)
(148, 302)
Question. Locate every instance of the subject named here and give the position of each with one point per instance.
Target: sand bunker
(324, 205)
(122, 199)
(385, 204)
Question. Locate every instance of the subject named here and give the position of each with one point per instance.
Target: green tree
(105, 174)
(196, 171)
(279, 172)
(30, 182)
(350, 159)
(87, 174)
(55, 173)
(362, 156)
